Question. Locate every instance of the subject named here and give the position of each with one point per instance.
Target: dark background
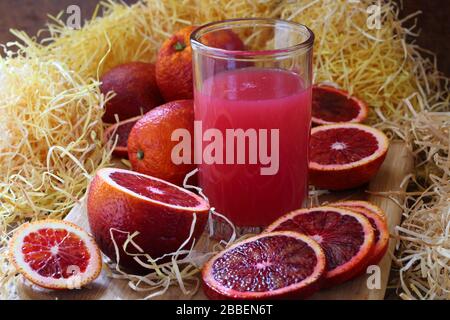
(31, 15)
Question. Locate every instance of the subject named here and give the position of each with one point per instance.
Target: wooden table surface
(30, 15)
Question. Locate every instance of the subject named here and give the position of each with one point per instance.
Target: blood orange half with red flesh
(345, 156)
(278, 265)
(55, 254)
(346, 237)
(331, 105)
(131, 202)
(378, 221)
(121, 131)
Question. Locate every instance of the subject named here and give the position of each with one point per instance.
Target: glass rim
(224, 53)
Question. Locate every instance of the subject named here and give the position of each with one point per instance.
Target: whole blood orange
(127, 201)
(331, 105)
(227, 40)
(223, 39)
(174, 66)
(120, 131)
(345, 156)
(174, 62)
(150, 142)
(135, 88)
(346, 237)
(55, 254)
(378, 221)
(278, 265)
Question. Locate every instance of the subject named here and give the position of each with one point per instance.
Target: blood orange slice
(331, 105)
(378, 221)
(345, 156)
(346, 237)
(268, 266)
(127, 201)
(360, 204)
(121, 131)
(55, 254)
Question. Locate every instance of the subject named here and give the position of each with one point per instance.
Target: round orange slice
(346, 237)
(278, 265)
(55, 254)
(378, 221)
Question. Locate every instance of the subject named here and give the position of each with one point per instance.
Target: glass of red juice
(252, 97)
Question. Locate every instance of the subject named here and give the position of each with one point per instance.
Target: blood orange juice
(272, 107)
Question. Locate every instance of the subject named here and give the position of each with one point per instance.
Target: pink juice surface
(256, 98)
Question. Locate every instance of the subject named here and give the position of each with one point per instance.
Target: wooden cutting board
(398, 164)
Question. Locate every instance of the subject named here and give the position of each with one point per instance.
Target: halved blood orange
(345, 156)
(346, 237)
(277, 265)
(127, 201)
(378, 221)
(55, 254)
(331, 105)
(121, 131)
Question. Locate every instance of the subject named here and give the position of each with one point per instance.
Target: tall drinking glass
(253, 117)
